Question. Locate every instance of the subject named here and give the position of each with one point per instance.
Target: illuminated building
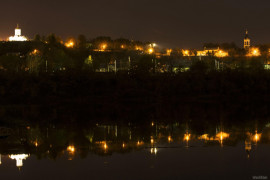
(0, 160)
(214, 52)
(168, 52)
(246, 41)
(185, 52)
(254, 51)
(18, 36)
(19, 159)
(221, 53)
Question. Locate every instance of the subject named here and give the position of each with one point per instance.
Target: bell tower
(18, 31)
(246, 41)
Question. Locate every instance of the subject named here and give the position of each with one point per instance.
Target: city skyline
(171, 24)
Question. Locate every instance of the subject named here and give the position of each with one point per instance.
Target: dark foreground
(106, 126)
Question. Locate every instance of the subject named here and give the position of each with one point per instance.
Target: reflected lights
(204, 137)
(152, 140)
(169, 139)
(105, 146)
(256, 137)
(187, 137)
(19, 158)
(153, 150)
(221, 136)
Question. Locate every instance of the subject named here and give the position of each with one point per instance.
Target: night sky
(173, 23)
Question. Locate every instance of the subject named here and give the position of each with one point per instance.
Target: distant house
(212, 51)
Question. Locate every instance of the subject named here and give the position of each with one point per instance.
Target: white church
(18, 35)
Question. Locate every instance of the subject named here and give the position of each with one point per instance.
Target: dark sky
(176, 23)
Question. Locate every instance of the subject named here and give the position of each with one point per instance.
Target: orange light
(138, 48)
(257, 137)
(70, 44)
(36, 143)
(204, 137)
(103, 47)
(221, 136)
(105, 146)
(152, 140)
(150, 50)
(139, 143)
(187, 137)
(221, 53)
(35, 51)
(169, 51)
(169, 139)
(123, 145)
(185, 52)
(71, 149)
(254, 52)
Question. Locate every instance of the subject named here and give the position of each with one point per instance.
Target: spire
(246, 36)
(17, 26)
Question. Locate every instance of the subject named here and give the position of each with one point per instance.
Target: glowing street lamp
(254, 52)
(221, 136)
(169, 51)
(35, 51)
(153, 45)
(256, 137)
(169, 139)
(139, 143)
(103, 47)
(185, 52)
(138, 48)
(70, 44)
(150, 50)
(152, 140)
(71, 149)
(36, 143)
(187, 137)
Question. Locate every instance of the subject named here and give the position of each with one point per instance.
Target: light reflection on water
(34, 144)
